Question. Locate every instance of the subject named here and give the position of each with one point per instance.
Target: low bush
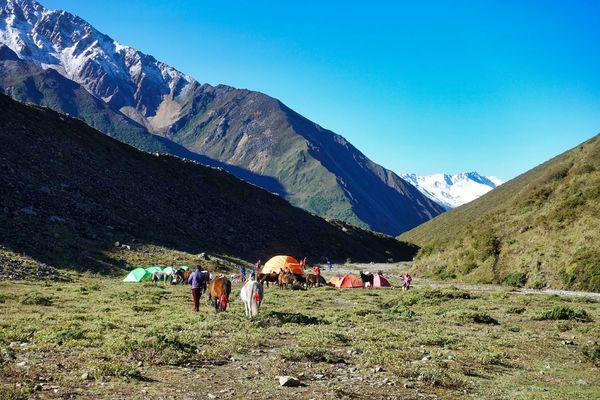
(35, 298)
(294, 318)
(515, 310)
(565, 313)
(314, 354)
(516, 279)
(479, 318)
(593, 352)
(437, 340)
(115, 369)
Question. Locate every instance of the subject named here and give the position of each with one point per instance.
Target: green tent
(184, 267)
(137, 275)
(151, 270)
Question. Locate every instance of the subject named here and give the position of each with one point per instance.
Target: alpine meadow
(299, 200)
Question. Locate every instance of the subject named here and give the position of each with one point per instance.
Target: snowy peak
(126, 79)
(453, 190)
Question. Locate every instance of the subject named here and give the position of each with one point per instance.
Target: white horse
(252, 295)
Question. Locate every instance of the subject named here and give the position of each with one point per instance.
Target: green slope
(541, 228)
(319, 170)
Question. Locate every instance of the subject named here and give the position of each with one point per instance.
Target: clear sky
(437, 86)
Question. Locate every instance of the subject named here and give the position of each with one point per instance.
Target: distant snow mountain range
(451, 191)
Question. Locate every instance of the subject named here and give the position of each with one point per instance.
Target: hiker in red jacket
(317, 270)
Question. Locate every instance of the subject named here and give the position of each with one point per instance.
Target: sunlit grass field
(102, 338)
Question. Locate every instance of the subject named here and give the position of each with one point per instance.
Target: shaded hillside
(254, 136)
(70, 192)
(541, 228)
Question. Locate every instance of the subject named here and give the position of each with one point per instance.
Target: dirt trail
(394, 270)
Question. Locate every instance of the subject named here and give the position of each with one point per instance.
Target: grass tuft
(565, 313)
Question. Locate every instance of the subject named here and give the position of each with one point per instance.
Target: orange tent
(333, 281)
(380, 281)
(279, 263)
(349, 281)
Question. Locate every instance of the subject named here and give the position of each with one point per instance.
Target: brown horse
(218, 293)
(285, 279)
(313, 280)
(272, 277)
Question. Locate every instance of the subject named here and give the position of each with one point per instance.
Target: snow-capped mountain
(126, 79)
(254, 136)
(453, 190)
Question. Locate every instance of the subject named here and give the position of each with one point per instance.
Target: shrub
(297, 353)
(565, 313)
(448, 294)
(68, 334)
(403, 312)
(479, 318)
(441, 273)
(516, 310)
(593, 352)
(517, 279)
(437, 340)
(35, 298)
(294, 318)
(117, 369)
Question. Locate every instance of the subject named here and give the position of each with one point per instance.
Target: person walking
(198, 280)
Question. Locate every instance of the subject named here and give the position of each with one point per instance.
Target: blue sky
(492, 86)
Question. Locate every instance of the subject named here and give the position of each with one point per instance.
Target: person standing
(329, 265)
(317, 270)
(198, 281)
(406, 281)
(243, 273)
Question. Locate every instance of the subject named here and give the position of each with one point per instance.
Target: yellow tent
(279, 263)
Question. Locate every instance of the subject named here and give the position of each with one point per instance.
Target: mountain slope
(262, 139)
(70, 192)
(541, 228)
(453, 190)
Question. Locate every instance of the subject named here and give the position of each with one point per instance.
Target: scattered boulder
(408, 384)
(289, 381)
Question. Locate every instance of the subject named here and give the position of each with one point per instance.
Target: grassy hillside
(70, 193)
(318, 170)
(541, 228)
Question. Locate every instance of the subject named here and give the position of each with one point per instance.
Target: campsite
(98, 337)
(299, 200)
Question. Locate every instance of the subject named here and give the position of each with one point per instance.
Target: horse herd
(218, 289)
(286, 278)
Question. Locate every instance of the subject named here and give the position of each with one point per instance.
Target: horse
(251, 295)
(285, 279)
(313, 280)
(300, 278)
(272, 277)
(185, 274)
(366, 277)
(219, 290)
(178, 276)
(161, 275)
